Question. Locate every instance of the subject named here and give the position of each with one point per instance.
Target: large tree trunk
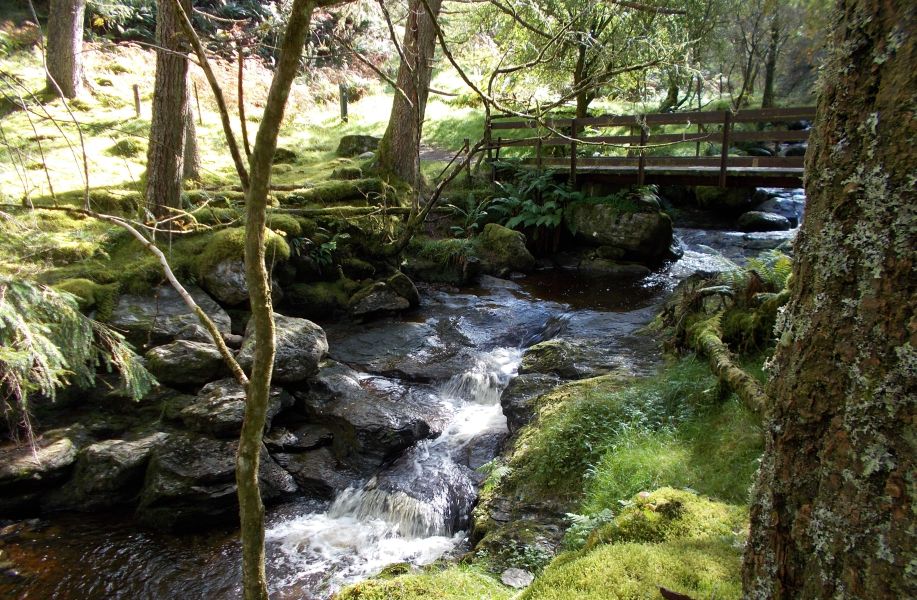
(833, 512)
(65, 46)
(165, 156)
(399, 151)
(770, 63)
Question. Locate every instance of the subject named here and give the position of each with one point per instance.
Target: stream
(417, 508)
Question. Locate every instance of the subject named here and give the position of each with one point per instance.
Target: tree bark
(833, 511)
(65, 46)
(191, 167)
(165, 156)
(399, 150)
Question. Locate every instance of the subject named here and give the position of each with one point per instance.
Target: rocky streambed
(376, 431)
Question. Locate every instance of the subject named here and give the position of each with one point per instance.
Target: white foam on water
(368, 528)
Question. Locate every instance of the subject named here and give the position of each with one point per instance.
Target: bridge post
(641, 173)
(574, 131)
(538, 157)
(724, 153)
(487, 144)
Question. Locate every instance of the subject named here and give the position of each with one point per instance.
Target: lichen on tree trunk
(833, 510)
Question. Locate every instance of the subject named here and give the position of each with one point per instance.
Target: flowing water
(417, 508)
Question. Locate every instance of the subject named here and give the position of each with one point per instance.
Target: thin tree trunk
(833, 510)
(770, 63)
(399, 150)
(65, 46)
(191, 167)
(251, 509)
(165, 156)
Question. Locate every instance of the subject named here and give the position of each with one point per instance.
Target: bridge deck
(698, 175)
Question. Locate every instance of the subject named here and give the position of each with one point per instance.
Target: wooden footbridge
(649, 152)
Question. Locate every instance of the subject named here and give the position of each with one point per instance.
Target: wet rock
(455, 273)
(354, 145)
(226, 282)
(301, 344)
(415, 351)
(518, 399)
(767, 240)
(517, 578)
(795, 149)
(299, 439)
(480, 450)
(601, 267)
(318, 473)
(185, 362)
(790, 207)
(190, 483)
(642, 236)
(422, 496)
(163, 317)
(763, 221)
(567, 359)
(372, 418)
(395, 294)
(108, 473)
(219, 408)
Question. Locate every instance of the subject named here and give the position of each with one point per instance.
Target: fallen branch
(705, 337)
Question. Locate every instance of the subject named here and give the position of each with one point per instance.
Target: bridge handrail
(571, 129)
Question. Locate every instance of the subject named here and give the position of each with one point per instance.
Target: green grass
(579, 423)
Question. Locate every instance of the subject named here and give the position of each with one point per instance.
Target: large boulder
(163, 316)
(372, 418)
(300, 346)
(27, 472)
(729, 199)
(502, 250)
(185, 362)
(225, 280)
(567, 359)
(107, 473)
(190, 483)
(644, 236)
(355, 145)
(304, 437)
(219, 408)
(756, 220)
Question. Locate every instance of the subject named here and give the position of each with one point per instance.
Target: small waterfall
(417, 508)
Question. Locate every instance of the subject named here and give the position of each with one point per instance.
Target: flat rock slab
(163, 316)
(184, 362)
(517, 578)
(300, 346)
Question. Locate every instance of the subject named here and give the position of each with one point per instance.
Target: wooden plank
(685, 162)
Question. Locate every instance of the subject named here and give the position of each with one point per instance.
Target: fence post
(488, 150)
(466, 144)
(574, 131)
(342, 90)
(724, 154)
(137, 100)
(538, 155)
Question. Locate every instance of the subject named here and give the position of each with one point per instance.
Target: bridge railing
(647, 143)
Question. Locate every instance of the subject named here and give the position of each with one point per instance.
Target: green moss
(669, 514)
(127, 148)
(347, 173)
(288, 224)
(504, 248)
(708, 568)
(454, 583)
(92, 296)
(230, 244)
(356, 268)
(445, 252)
(212, 215)
(320, 300)
(336, 192)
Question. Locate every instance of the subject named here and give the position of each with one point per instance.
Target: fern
(46, 343)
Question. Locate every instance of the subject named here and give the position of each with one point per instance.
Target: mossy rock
(288, 224)
(709, 568)
(669, 514)
(732, 199)
(230, 244)
(320, 300)
(335, 192)
(356, 268)
(92, 296)
(347, 173)
(283, 156)
(454, 583)
(502, 250)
